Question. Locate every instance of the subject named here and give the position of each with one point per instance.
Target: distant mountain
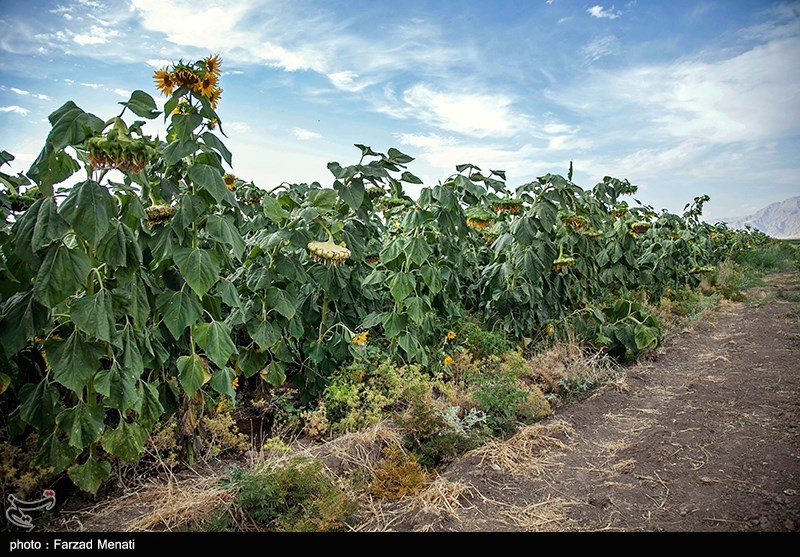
(779, 220)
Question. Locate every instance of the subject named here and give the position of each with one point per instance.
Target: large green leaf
(417, 308)
(142, 105)
(179, 310)
(90, 475)
(222, 382)
(51, 167)
(39, 404)
(281, 301)
(56, 454)
(71, 125)
(61, 274)
(89, 209)
(224, 231)
(74, 361)
(198, 267)
(131, 353)
(177, 150)
(401, 285)
(215, 143)
(272, 209)
(83, 424)
(94, 315)
(49, 224)
(119, 247)
(645, 336)
(192, 373)
(23, 317)
(117, 385)
(149, 406)
(394, 325)
(275, 374)
(352, 193)
(209, 178)
(126, 442)
(264, 333)
(251, 361)
(418, 250)
(215, 340)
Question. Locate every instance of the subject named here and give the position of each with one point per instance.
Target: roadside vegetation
(152, 309)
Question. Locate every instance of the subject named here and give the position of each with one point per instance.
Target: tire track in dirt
(704, 438)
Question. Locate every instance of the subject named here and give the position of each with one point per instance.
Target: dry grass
(175, 505)
(522, 453)
(545, 516)
(359, 450)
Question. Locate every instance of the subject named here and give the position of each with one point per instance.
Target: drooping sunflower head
(229, 180)
(639, 227)
(574, 221)
(185, 76)
(328, 252)
(507, 206)
(563, 262)
(213, 64)
(156, 214)
(479, 218)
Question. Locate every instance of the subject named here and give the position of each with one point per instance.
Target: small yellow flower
(451, 335)
(235, 383)
(549, 330)
(447, 361)
(358, 340)
(219, 406)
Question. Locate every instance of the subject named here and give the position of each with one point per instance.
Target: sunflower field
(159, 283)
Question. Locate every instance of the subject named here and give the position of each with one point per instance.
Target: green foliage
(499, 392)
(157, 279)
(298, 496)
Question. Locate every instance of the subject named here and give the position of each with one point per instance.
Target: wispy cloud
(601, 47)
(305, 135)
(92, 85)
(122, 92)
(157, 63)
(15, 110)
(600, 12)
(426, 141)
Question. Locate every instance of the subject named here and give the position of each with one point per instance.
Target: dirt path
(704, 438)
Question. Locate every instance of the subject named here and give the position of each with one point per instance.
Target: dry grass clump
(177, 504)
(522, 452)
(565, 371)
(359, 450)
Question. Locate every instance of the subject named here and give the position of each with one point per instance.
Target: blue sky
(679, 97)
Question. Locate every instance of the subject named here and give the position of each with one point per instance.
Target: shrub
(298, 496)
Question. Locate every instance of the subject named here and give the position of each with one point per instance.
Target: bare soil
(703, 438)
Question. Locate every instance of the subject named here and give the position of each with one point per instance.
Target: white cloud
(600, 47)
(15, 109)
(90, 85)
(426, 141)
(472, 114)
(346, 81)
(42, 97)
(122, 92)
(25, 93)
(96, 35)
(158, 63)
(565, 19)
(189, 23)
(19, 91)
(305, 135)
(601, 12)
